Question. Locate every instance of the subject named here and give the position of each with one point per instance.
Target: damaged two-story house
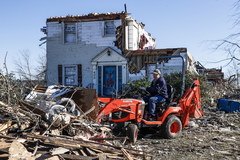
(103, 51)
(82, 50)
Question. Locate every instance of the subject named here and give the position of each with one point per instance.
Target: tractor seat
(170, 91)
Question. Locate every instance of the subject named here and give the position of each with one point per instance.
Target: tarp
(228, 105)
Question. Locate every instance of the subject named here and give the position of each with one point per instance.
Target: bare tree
(33, 75)
(231, 44)
(41, 68)
(10, 89)
(6, 80)
(23, 67)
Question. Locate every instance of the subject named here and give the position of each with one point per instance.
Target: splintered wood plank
(4, 127)
(96, 150)
(114, 156)
(89, 152)
(59, 150)
(82, 152)
(77, 157)
(4, 155)
(126, 154)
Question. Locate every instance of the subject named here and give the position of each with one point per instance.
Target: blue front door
(109, 80)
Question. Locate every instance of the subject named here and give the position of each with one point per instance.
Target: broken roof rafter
(89, 17)
(151, 52)
(138, 59)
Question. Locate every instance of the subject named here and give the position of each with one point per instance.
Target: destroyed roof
(138, 59)
(214, 73)
(159, 52)
(199, 65)
(213, 70)
(88, 17)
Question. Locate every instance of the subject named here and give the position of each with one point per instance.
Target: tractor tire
(132, 133)
(172, 127)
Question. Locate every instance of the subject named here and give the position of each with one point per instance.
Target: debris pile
(216, 135)
(57, 122)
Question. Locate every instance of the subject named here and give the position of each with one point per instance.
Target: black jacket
(159, 87)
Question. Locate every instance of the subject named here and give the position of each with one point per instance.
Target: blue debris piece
(228, 105)
(234, 106)
(222, 105)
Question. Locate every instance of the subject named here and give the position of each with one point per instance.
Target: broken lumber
(77, 157)
(126, 154)
(73, 144)
(66, 143)
(108, 145)
(32, 108)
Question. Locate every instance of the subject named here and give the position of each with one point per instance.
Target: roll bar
(183, 69)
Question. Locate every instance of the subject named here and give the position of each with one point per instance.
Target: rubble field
(216, 135)
(56, 123)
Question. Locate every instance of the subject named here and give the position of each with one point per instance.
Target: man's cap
(156, 71)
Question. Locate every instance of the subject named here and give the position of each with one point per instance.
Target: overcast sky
(193, 24)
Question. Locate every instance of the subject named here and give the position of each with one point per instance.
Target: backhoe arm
(190, 103)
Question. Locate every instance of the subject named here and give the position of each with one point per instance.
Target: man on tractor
(129, 114)
(158, 93)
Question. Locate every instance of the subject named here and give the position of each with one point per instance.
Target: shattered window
(70, 33)
(70, 75)
(109, 28)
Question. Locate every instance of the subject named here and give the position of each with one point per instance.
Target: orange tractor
(172, 116)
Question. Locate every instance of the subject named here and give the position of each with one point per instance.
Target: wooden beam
(77, 157)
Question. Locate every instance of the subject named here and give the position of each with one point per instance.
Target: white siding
(93, 33)
(135, 31)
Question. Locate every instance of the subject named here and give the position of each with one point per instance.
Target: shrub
(175, 80)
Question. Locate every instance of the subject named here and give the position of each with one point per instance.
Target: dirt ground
(216, 135)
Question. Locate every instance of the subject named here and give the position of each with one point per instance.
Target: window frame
(111, 27)
(74, 32)
(75, 75)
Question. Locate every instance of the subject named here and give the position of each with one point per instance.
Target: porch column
(124, 72)
(94, 65)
